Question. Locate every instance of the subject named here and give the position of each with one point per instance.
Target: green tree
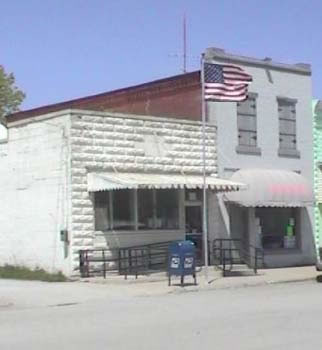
(10, 96)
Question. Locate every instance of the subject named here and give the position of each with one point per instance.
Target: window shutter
(246, 122)
(287, 123)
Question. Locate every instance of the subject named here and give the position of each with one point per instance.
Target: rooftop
(111, 100)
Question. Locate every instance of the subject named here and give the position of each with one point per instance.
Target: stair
(236, 259)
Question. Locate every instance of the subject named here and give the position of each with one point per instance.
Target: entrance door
(239, 224)
(245, 237)
(193, 214)
(245, 229)
(239, 227)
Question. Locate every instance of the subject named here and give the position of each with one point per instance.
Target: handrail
(229, 251)
(124, 261)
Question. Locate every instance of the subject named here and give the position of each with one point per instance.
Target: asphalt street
(280, 316)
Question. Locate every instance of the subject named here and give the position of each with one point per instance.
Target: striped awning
(272, 188)
(115, 181)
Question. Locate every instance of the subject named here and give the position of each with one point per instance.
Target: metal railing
(227, 252)
(142, 259)
(126, 261)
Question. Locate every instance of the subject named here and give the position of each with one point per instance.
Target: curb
(181, 290)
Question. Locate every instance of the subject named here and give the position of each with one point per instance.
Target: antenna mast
(184, 44)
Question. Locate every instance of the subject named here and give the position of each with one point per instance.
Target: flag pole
(204, 197)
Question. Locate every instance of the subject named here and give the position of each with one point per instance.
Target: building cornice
(221, 55)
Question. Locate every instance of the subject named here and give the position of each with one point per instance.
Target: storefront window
(102, 214)
(123, 210)
(144, 209)
(193, 195)
(278, 227)
(167, 205)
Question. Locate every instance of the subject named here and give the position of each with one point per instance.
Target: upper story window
(287, 127)
(247, 125)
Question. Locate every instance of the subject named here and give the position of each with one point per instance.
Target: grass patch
(24, 273)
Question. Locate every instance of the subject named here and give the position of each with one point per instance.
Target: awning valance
(115, 181)
(272, 188)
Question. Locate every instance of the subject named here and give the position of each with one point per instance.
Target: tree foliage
(10, 96)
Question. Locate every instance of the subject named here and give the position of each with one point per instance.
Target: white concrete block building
(78, 179)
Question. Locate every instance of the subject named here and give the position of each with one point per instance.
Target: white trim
(105, 181)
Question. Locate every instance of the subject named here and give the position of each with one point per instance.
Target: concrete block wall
(33, 197)
(317, 129)
(43, 172)
(3, 133)
(127, 143)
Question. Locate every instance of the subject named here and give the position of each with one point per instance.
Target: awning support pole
(205, 226)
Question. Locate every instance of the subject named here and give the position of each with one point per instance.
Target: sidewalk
(20, 294)
(157, 283)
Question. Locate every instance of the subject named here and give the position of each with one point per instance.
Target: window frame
(248, 148)
(291, 152)
(296, 214)
(136, 229)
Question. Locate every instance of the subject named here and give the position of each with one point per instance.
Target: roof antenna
(184, 43)
(184, 46)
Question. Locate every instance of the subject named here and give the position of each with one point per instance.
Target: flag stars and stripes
(225, 82)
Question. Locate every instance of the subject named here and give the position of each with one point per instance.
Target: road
(282, 316)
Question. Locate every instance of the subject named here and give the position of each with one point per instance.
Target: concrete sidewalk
(16, 294)
(157, 283)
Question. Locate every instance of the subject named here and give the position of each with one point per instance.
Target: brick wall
(317, 134)
(179, 104)
(176, 97)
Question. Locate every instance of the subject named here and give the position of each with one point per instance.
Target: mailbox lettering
(188, 262)
(175, 262)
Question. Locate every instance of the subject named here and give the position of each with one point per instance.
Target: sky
(65, 49)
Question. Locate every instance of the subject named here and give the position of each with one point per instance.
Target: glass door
(193, 219)
(193, 214)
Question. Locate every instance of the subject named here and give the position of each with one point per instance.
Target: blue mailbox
(182, 260)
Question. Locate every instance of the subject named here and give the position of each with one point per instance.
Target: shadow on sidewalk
(240, 274)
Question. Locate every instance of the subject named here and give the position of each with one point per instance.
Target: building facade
(267, 143)
(317, 120)
(78, 179)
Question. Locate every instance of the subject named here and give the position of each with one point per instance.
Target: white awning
(272, 188)
(115, 181)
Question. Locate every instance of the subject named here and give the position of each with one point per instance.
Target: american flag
(225, 82)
